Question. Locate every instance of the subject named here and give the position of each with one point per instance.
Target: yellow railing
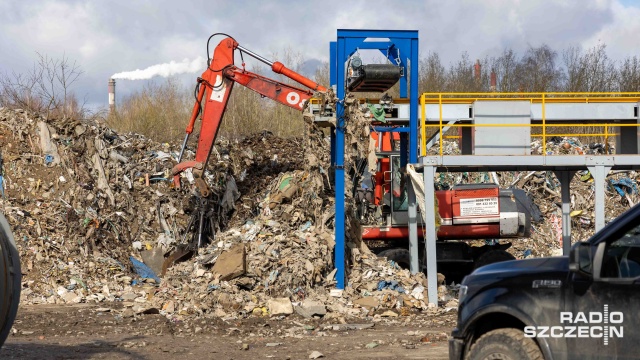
(541, 97)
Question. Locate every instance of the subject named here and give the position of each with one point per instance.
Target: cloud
(621, 35)
(115, 36)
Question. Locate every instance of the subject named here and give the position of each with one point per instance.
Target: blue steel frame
(402, 44)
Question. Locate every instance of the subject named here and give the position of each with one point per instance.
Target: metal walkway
(495, 131)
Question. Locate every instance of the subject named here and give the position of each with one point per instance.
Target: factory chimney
(476, 70)
(112, 95)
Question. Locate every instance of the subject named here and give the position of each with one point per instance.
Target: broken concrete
(153, 258)
(280, 306)
(368, 302)
(232, 263)
(311, 308)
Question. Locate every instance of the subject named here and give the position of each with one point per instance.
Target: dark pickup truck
(10, 277)
(584, 306)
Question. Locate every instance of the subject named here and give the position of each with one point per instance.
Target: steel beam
(599, 173)
(436, 136)
(430, 234)
(565, 182)
(554, 112)
(413, 227)
(339, 168)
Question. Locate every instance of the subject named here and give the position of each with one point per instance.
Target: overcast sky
(107, 37)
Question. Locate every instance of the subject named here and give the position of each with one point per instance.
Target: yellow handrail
(574, 135)
(531, 94)
(440, 106)
(537, 125)
(544, 128)
(534, 97)
(423, 132)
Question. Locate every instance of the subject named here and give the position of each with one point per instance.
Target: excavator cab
(394, 197)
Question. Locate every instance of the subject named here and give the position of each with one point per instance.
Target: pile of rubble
(80, 198)
(96, 219)
(95, 215)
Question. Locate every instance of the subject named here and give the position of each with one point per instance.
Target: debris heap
(95, 216)
(96, 219)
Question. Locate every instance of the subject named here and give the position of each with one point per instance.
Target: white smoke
(164, 70)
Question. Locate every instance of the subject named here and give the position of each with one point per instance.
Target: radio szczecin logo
(596, 324)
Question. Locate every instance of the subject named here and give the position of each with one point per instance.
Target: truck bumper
(455, 348)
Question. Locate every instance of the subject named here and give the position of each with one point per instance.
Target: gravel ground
(85, 331)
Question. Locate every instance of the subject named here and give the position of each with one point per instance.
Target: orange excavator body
(215, 86)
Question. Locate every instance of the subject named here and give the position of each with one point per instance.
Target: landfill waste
(89, 207)
(97, 219)
(143, 270)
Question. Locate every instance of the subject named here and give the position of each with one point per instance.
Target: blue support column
(339, 167)
(403, 149)
(332, 82)
(413, 109)
(402, 44)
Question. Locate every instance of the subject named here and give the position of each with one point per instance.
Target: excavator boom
(213, 92)
(215, 87)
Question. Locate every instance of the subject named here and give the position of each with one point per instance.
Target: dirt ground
(88, 332)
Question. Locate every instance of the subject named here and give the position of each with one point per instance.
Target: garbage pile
(96, 219)
(80, 199)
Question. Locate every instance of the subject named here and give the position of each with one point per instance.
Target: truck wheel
(506, 344)
(492, 256)
(10, 277)
(399, 256)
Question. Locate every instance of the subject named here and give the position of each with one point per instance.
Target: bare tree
(537, 70)
(322, 75)
(460, 76)
(160, 110)
(45, 88)
(590, 71)
(506, 68)
(433, 75)
(629, 74)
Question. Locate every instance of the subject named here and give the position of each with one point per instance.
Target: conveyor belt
(374, 78)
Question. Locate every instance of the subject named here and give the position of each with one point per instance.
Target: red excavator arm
(215, 87)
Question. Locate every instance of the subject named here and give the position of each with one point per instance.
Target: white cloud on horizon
(109, 37)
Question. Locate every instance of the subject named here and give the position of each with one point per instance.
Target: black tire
(10, 280)
(492, 256)
(399, 256)
(505, 344)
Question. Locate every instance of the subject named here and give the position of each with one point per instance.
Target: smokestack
(476, 70)
(112, 95)
(493, 80)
